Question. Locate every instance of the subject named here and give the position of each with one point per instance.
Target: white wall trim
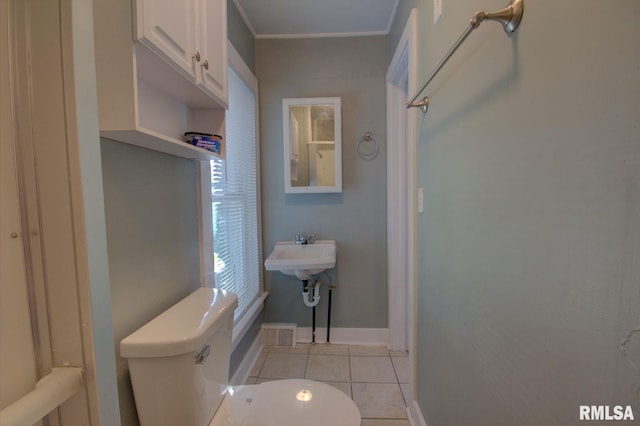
(246, 20)
(344, 336)
(240, 67)
(250, 358)
(401, 187)
(393, 16)
(401, 202)
(322, 35)
(244, 16)
(415, 414)
(205, 224)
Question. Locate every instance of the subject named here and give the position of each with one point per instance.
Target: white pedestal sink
(302, 260)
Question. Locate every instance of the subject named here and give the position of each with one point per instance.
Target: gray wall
(240, 36)
(529, 247)
(354, 69)
(152, 239)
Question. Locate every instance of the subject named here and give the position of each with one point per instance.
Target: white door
(17, 356)
(166, 26)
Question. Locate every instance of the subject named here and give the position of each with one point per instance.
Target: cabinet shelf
(147, 96)
(155, 141)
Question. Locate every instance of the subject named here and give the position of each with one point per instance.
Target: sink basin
(302, 260)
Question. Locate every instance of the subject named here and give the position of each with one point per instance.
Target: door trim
(401, 187)
(401, 80)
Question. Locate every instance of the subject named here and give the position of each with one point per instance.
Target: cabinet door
(166, 26)
(211, 39)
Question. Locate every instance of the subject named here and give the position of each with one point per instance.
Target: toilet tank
(179, 361)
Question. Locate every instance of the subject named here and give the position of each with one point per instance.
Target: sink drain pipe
(306, 293)
(312, 304)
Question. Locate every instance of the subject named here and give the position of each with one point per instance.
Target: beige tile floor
(374, 378)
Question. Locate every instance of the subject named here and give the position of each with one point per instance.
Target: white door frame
(401, 188)
(401, 199)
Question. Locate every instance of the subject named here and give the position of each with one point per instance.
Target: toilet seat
(286, 403)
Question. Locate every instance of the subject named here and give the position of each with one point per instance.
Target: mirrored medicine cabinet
(312, 145)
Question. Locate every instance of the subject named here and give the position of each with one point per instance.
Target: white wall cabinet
(166, 26)
(213, 46)
(190, 34)
(152, 86)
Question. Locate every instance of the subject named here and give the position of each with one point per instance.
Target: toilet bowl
(179, 367)
(292, 402)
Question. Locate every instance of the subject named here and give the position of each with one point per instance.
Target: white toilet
(179, 366)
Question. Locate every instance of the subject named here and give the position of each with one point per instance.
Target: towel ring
(367, 147)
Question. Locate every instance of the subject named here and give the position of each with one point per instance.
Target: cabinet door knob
(196, 55)
(205, 64)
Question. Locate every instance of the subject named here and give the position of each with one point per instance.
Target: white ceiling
(317, 18)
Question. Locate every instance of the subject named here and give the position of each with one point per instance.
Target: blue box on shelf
(207, 141)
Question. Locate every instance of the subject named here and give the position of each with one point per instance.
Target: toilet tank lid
(182, 328)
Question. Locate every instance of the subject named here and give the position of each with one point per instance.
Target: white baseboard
(410, 417)
(352, 336)
(244, 369)
(415, 415)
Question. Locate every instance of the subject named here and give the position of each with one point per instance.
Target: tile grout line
(308, 352)
(396, 373)
(350, 376)
(264, 361)
(306, 364)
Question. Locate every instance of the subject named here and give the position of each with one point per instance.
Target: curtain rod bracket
(423, 104)
(510, 18)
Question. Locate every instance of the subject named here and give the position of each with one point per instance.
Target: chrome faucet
(305, 239)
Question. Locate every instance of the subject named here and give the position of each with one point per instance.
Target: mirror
(312, 145)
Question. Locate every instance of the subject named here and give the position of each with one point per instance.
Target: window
(234, 191)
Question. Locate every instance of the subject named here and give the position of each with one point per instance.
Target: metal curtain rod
(509, 17)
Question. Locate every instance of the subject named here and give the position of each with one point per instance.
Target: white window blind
(235, 201)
